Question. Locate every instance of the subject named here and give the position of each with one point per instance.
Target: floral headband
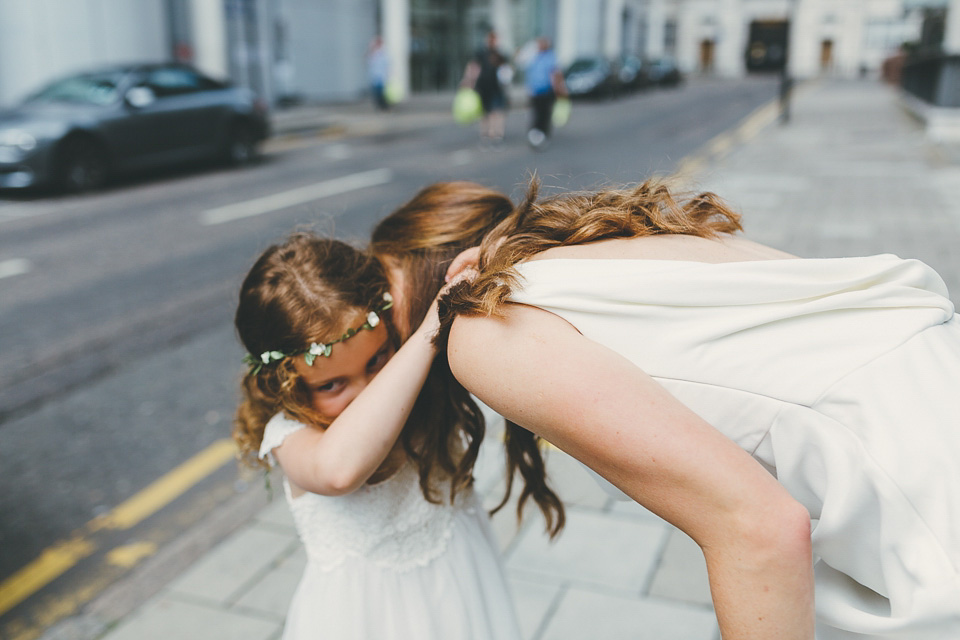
(317, 348)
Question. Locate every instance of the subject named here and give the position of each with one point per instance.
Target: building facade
(42, 39)
(315, 50)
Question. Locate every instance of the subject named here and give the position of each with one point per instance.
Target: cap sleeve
(276, 431)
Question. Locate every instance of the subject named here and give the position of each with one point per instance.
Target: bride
(798, 418)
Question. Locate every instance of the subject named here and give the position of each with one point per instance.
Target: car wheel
(83, 166)
(241, 147)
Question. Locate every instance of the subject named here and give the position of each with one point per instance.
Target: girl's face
(333, 382)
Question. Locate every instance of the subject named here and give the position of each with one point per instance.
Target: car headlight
(17, 139)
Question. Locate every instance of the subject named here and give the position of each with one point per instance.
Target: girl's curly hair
(303, 290)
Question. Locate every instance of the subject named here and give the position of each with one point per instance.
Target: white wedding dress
(385, 564)
(840, 376)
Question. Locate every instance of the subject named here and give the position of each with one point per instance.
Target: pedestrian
(378, 73)
(398, 546)
(487, 74)
(545, 83)
(740, 393)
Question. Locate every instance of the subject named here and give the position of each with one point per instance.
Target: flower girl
(398, 546)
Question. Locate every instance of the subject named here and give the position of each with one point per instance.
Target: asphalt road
(118, 359)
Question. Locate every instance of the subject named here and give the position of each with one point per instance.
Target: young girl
(327, 396)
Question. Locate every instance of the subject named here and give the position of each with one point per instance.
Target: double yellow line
(719, 147)
(59, 558)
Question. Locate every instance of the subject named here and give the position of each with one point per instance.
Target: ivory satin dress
(840, 376)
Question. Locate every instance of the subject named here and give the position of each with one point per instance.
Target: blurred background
(151, 149)
(313, 50)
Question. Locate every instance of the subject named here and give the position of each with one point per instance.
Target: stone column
(565, 44)
(209, 27)
(396, 39)
(951, 35)
(731, 41)
(502, 22)
(613, 46)
(656, 27)
(805, 34)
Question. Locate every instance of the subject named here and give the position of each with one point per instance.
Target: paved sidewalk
(851, 174)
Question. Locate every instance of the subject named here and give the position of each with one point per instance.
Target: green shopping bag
(394, 93)
(466, 106)
(561, 112)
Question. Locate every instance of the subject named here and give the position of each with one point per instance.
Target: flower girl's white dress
(385, 564)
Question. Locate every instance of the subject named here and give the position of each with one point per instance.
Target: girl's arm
(535, 369)
(342, 457)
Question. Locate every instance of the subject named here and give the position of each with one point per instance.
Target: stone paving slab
(167, 618)
(598, 549)
(243, 558)
(586, 614)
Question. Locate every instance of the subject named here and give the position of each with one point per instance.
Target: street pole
(786, 82)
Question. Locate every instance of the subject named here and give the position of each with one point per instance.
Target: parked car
(664, 72)
(78, 131)
(592, 76)
(632, 73)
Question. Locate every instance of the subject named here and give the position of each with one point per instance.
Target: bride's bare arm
(534, 368)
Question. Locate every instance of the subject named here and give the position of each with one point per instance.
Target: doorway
(767, 45)
(706, 56)
(826, 55)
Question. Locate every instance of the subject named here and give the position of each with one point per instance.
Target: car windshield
(579, 66)
(95, 88)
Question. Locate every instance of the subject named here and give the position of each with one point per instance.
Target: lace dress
(840, 376)
(385, 564)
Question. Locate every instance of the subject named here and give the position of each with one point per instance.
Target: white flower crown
(317, 348)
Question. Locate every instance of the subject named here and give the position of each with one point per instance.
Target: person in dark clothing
(483, 74)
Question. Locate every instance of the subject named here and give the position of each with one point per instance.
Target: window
(175, 81)
(98, 89)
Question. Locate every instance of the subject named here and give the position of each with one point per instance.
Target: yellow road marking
(57, 559)
(129, 555)
(720, 146)
(50, 564)
(168, 488)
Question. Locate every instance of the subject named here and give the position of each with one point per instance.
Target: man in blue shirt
(378, 72)
(544, 83)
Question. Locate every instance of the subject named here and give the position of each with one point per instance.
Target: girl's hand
(462, 268)
(467, 259)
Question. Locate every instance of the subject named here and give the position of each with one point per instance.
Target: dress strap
(276, 431)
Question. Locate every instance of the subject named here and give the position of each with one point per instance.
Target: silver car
(80, 130)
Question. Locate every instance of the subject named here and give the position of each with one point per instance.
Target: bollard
(786, 84)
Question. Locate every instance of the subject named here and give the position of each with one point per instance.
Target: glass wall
(445, 34)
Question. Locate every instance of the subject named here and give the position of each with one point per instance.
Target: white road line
(14, 267)
(293, 197)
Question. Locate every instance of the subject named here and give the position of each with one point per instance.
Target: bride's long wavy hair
(419, 240)
(536, 225)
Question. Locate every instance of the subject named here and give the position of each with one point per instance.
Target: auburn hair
(303, 290)
(563, 220)
(421, 239)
